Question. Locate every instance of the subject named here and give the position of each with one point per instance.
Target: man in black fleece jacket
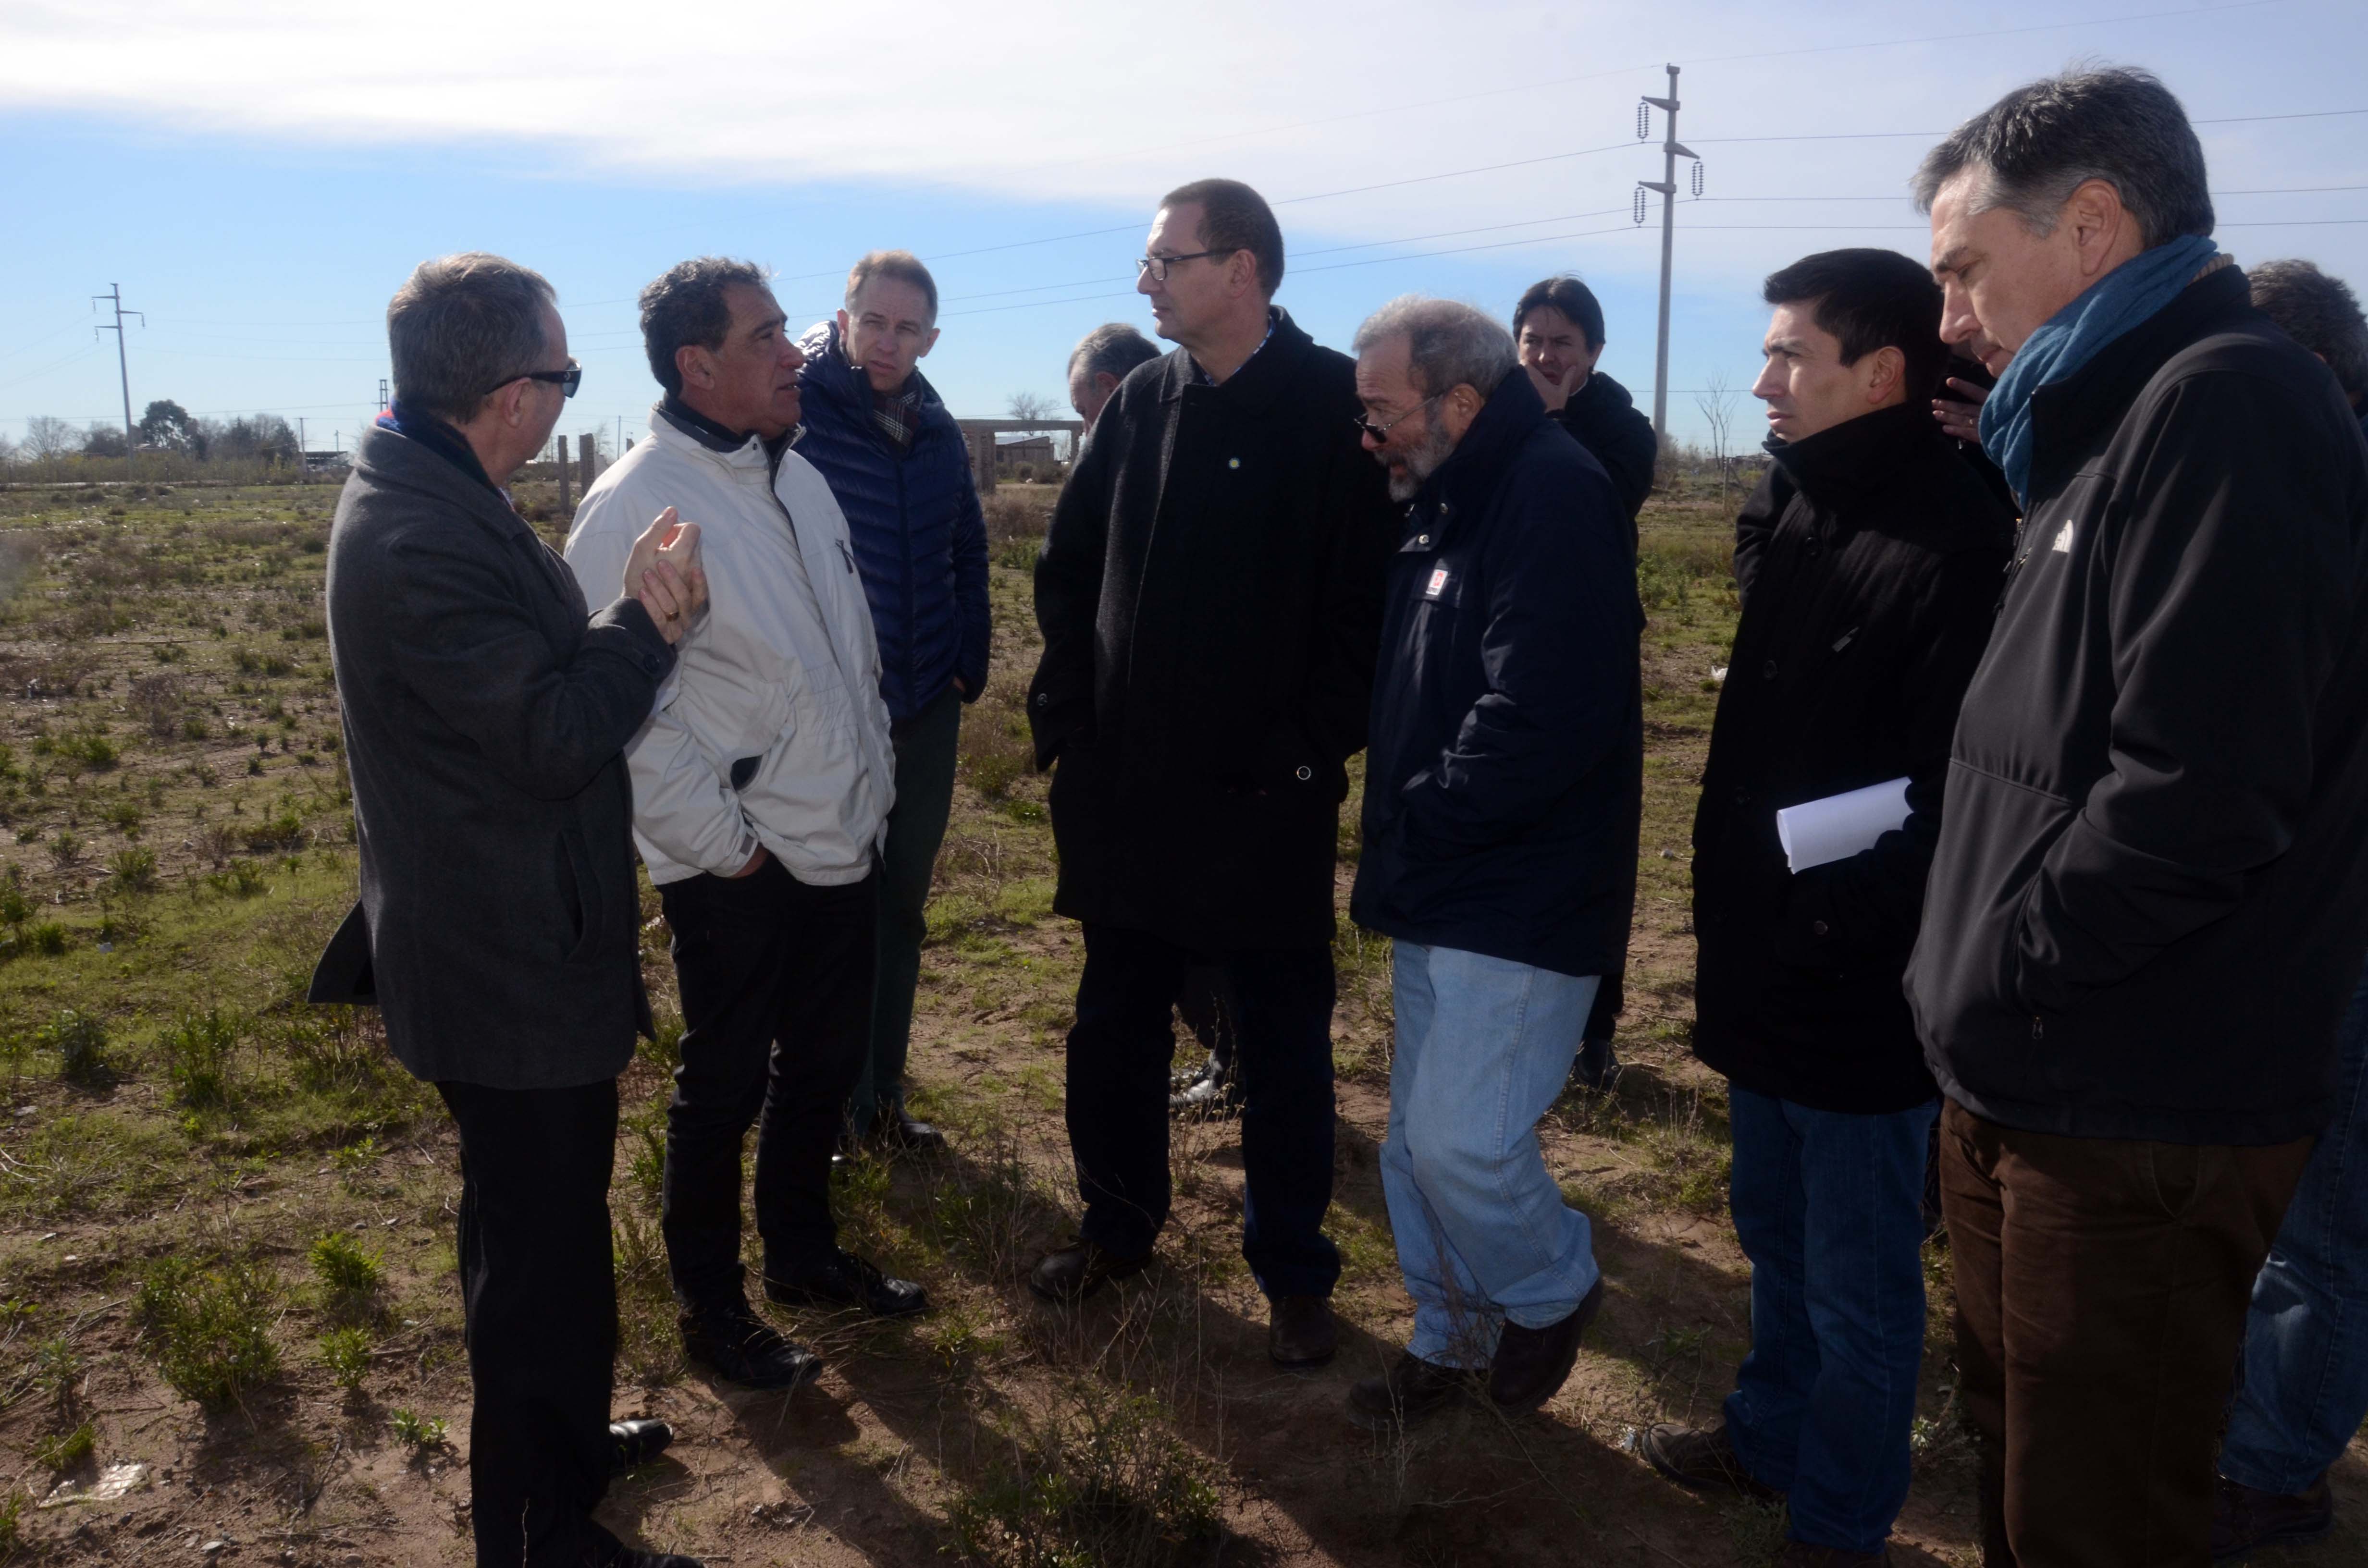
(1868, 560)
(2149, 901)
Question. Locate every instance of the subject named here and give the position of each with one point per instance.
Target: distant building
(324, 462)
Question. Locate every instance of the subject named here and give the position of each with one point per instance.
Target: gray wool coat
(485, 714)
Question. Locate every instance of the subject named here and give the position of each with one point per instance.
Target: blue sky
(260, 177)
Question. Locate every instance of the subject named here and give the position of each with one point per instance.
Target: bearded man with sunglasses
(1210, 600)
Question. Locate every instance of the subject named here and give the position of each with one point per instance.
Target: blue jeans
(1483, 1048)
(2302, 1389)
(1829, 1207)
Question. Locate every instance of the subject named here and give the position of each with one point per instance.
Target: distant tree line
(166, 427)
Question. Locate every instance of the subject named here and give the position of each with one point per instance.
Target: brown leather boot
(1702, 1458)
(1300, 1332)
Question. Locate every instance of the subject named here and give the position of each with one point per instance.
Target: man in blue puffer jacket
(896, 463)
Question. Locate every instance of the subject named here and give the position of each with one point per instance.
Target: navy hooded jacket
(1503, 768)
(914, 519)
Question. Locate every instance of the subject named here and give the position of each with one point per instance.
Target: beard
(1411, 469)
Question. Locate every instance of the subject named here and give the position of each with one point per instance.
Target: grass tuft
(209, 1330)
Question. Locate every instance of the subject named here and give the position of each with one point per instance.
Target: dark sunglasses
(566, 380)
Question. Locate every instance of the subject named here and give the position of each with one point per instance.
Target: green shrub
(344, 1267)
(1103, 1482)
(80, 1040)
(197, 1058)
(240, 879)
(282, 830)
(347, 1353)
(134, 871)
(15, 907)
(46, 937)
(12, 1519)
(209, 1330)
(413, 1430)
(64, 1450)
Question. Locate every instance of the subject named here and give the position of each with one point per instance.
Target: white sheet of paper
(1816, 832)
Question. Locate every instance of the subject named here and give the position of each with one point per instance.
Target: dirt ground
(300, 1411)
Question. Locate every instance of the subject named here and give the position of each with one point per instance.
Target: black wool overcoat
(1210, 598)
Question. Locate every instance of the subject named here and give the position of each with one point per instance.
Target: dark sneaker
(1079, 1269)
(2243, 1518)
(1300, 1332)
(839, 1279)
(1412, 1390)
(743, 1349)
(1801, 1554)
(1595, 1066)
(1531, 1364)
(633, 1444)
(902, 1130)
(1702, 1458)
(1210, 1092)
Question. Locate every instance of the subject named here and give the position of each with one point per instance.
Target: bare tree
(1031, 405)
(1715, 403)
(47, 438)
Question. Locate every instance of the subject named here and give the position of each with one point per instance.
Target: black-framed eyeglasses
(566, 380)
(1157, 265)
(1381, 433)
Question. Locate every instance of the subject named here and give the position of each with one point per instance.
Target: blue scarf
(2122, 300)
(438, 437)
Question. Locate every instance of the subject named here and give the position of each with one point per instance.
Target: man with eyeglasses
(1507, 724)
(1209, 595)
(761, 791)
(485, 708)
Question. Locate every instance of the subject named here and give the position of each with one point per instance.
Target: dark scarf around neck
(438, 436)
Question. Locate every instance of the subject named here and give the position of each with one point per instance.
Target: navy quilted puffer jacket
(914, 519)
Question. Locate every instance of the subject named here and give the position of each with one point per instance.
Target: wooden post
(564, 512)
(584, 444)
(982, 459)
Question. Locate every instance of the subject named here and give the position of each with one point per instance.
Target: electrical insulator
(1644, 121)
(1698, 178)
(1640, 204)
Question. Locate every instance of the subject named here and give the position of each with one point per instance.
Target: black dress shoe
(743, 1349)
(633, 1444)
(633, 1557)
(2244, 1519)
(1411, 1390)
(839, 1279)
(1596, 1065)
(1079, 1269)
(1300, 1332)
(1531, 1364)
(905, 1130)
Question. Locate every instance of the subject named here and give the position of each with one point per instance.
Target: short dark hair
(686, 308)
(1113, 348)
(1871, 299)
(463, 325)
(1234, 217)
(2318, 312)
(901, 265)
(1574, 299)
(2035, 146)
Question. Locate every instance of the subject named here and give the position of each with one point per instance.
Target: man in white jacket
(761, 785)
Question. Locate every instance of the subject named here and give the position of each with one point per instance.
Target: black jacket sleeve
(1331, 714)
(1868, 905)
(473, 653)
(1070, 593)
(2231, 573)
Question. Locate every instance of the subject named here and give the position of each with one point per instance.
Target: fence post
(584, 444)
(565, 512)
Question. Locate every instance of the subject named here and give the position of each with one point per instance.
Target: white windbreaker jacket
(772, 729)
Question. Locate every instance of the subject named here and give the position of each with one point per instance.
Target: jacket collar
(1601, 394)
(1858, 456)
(705, 438)
(1259, 382)
(2068, 415)
(389, 456)
(1463, 484)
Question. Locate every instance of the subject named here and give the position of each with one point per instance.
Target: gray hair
(2318, 312)
(463, 325)
(688, 307)
(1111, 350)
(2032, 149)
(1449, 342)
(903, 266)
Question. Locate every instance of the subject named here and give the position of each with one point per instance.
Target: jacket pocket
(1995, 834)
(579, 894)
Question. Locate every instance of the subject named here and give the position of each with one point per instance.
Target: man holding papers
(1868, 560)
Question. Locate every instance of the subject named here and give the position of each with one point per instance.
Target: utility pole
(1671, 150)
(122, 360)
(382, 395)
(303, 458)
